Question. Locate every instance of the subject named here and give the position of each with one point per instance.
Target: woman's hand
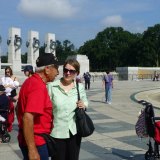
(80, 104)
(8, 86)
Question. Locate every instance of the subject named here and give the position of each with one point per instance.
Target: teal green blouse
(64, 105)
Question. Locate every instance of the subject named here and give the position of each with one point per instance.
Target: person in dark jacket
(87, 79)
(4, 102)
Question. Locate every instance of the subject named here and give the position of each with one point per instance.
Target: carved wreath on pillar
(52, 45)
(36, 44)
(17, 42)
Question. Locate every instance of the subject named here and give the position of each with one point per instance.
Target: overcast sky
(75, 20)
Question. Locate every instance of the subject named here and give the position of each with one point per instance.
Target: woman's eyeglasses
(65, 70)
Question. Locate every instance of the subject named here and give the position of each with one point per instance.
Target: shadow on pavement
(127, 155)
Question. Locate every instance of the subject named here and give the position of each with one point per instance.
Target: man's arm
(112, 82)
(28, 123)
(103, 81)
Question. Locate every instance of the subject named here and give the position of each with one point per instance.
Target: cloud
(56, 9)
(114, 21)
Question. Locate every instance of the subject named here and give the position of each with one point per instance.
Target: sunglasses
(65, 70)
(7, 71)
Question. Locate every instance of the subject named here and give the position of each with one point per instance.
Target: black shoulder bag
(50, 142)
(85, 126)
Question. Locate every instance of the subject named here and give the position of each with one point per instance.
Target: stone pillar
(33, 45)
(84, 62)
(50, 43)
(14, 48)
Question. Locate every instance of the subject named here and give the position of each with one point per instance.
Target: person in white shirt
(10, 82)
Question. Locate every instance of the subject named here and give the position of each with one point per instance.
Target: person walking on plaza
(78, 78)
(28, 71)
(108, 84)
(34, 109)
(11, 83)
(64, 97)
(156, 76)
(87, 79)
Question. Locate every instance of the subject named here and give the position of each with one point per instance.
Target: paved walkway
(114, 137)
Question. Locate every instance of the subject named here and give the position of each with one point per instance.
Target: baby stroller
(6, 115)
(152, 131)
(5, 136)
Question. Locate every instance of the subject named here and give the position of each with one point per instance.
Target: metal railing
(125, 77)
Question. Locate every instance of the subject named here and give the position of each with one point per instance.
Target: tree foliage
(115, 47)
(63, 50)
(110, 47)
(24, 58)
(4, 59)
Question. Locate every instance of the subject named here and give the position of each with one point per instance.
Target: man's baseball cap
(28, 68)
(46, 59)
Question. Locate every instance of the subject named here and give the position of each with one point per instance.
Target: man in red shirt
(34, 109)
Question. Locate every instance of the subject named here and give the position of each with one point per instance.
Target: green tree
(4, 59)
(24, 58)
(41, 50)
(109, 49)
(65, 49)
(151, 39)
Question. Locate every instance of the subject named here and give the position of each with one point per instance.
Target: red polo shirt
(34, 98)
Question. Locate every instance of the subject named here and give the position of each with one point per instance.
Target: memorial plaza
(114, 137)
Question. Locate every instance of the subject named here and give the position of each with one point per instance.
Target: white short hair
(39, 69)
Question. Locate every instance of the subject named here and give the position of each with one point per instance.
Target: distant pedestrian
(156, 76)
(28, 71)
(108, 83)
(78, 79)
(87, 79)
(11, 83)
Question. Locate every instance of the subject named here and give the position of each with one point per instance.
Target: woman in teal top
(63, 94)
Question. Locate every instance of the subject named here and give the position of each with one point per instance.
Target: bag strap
(78, 95)
(41, 134)
(77, 86)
